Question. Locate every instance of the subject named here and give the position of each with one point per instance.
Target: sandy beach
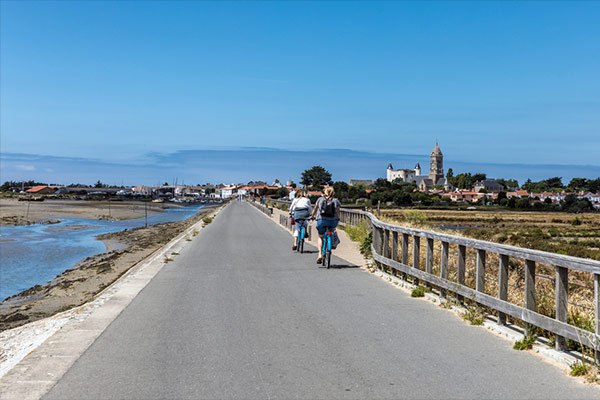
(14, 212)
(90, 276)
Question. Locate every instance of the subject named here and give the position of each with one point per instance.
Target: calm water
(36, 254)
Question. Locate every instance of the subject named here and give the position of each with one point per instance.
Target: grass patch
(579, 369)
(167, 259)
(416, 217)
(360, 233)
(195, 233)
(174, 253)
(419, 291)
(187, 239)
(525, 344)
(475, 314)
(207, 220)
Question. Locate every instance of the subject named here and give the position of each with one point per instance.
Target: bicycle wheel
(301, 246)
(327, 259)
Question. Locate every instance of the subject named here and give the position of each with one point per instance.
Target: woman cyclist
(327, 214)
(300, 210)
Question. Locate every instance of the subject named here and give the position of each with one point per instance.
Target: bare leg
(320, 248)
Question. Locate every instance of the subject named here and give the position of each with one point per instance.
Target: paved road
(238, 315)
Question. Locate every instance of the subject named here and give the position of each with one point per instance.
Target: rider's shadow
(341, 266)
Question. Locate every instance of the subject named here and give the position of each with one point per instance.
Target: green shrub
(475, 314)
(360, 233)
(419, 291)
(579, 369)
(207, 220)
(525, 344)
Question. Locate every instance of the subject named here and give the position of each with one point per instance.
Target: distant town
(400, 187)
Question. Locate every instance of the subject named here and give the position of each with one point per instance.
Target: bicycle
(302, 224)
(327, 246)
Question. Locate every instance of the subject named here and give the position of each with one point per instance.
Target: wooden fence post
(429, 258)
(460, 267)
(502, 284)
(394, 250)
(386, 243)
(597, 312)
(444, 267)
(416, 255)
(480, 272)
(529, 291)
(404, 252)
(561, 298)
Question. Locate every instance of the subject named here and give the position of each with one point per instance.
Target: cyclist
(300, 210)
(327, 214)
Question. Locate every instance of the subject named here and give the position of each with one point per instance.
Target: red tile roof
(36, 189)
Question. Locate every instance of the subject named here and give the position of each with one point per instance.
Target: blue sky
(127, 88)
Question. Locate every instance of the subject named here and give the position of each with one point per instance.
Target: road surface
(238, 315)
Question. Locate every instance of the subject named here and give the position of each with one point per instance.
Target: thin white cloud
(23, 167)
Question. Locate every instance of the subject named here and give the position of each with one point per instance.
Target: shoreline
(19, 213)
(88, 277)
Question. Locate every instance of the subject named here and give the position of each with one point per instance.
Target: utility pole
(146, 208)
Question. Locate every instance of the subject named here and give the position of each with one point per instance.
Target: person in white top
(300, 209)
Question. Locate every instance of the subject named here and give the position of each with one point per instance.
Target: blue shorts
(322, 225)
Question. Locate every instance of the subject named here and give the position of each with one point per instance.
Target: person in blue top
(327, 214)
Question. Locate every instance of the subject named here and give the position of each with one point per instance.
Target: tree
(99, 184)
(166, 184)
(522, 203)
(282, 192)
(341, 189)
(316, 176)
(577, 184)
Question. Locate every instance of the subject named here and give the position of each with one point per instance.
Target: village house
(41, 190)
(467, 196)
(489, 185)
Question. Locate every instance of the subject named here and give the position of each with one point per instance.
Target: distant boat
(158, 201)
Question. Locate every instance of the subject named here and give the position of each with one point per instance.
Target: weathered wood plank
(429, 258)
(444, 266)
(502, 285)
(394, 246)
(386, 243)
(405, 237)
(416, 255)
(461, 266)
(480, 272)
(529, 289)
(597, 313)
(561, 297)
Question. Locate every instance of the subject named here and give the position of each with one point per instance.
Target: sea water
(35, 254)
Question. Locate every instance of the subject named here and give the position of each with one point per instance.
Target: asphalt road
(239, 315)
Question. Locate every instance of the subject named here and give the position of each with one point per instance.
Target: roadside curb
(60, 340)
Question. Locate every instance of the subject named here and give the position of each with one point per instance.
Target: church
(424, 182)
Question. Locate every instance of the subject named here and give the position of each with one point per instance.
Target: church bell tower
(436, 167)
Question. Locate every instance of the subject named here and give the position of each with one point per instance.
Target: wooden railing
(268, 211)
(391, 253)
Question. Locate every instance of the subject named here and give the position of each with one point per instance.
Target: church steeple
(436, 167)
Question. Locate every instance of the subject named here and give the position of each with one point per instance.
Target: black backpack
(328, 209)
